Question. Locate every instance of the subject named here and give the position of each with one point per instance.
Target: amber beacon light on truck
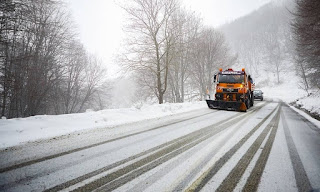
(234, 91)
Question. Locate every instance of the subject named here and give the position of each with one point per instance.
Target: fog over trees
(279, 38)
(264, 42)
(171, 54)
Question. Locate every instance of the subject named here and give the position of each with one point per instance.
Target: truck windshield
(231, 78)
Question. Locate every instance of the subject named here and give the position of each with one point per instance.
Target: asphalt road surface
(268, 148)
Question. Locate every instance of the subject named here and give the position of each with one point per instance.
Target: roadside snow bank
(19, 130)
(289, 91)
(311, 104)
(307, 116)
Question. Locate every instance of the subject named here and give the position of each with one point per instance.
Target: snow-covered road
(269, 148)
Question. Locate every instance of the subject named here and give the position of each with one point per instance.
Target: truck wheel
(247, 102)
(252, 100)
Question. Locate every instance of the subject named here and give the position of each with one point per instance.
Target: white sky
(100, 21)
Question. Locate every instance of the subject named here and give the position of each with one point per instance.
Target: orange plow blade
(227, 105)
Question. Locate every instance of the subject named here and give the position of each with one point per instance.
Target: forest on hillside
(278, 43)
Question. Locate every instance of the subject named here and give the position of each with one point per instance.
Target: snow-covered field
(20, 130)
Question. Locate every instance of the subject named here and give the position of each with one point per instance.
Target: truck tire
(248, 101)
(252, 99)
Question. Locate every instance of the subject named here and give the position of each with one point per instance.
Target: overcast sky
(100, 21)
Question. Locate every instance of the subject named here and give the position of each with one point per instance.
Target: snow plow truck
(234, 91)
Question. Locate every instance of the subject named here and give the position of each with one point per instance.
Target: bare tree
(94, 73)
(306, 27)
(43, 67)
(211, 54)
(151, 42)
(8, 26)
(251, 51)
(38, 31)
(73, 77)
(187, 27)
(274, 54)
(168, 46)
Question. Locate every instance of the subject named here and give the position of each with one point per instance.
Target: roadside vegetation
(44, 68)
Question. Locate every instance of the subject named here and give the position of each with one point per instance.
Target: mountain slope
(264, 43)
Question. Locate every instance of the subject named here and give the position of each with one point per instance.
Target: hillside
(264, 43)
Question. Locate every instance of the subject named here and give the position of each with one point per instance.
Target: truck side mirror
(214, 78)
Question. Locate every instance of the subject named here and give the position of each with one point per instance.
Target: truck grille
(230, 90)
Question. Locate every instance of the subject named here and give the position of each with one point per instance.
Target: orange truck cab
(234, 90)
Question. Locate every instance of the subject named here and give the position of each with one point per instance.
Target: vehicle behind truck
(234, 91)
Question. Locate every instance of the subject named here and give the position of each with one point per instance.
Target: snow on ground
(310, 103)
(293, 95)
(19, 130)
(307, 116)
(289, 91)
(278, 174)
(286, 91)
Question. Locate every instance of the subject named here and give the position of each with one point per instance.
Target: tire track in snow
(205, 177)
(309, 123)
(30, 177)
(190, 176)
(34, 161)
(109, 167)
(301, 177)
(255, 176)
(115, 179)
(231, 181)
(145, 166)
(25, 180)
